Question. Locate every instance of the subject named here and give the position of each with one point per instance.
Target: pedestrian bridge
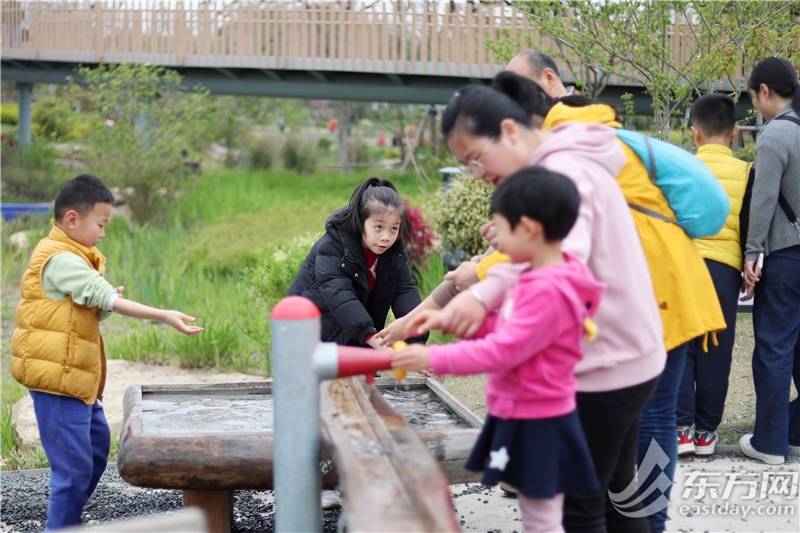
(379, 50)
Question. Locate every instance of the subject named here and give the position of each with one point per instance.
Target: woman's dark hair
(81, 193)
(479, 110)
(780, 76)
(524, 92)
(370, 194)
(548, 197)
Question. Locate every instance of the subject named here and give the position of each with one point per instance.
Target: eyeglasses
(474, 168)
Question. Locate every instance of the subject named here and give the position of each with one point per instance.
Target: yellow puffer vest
(683, 288)
(56, 346)
(732, 173)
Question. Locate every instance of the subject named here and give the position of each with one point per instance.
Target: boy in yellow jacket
(57, 349)
(705, 379)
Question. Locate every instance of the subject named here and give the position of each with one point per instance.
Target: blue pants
(659, 422)
(776, 358)
(76, 439)
(705, 379)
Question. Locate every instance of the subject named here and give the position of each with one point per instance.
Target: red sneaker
(705, 442)
(685, 442)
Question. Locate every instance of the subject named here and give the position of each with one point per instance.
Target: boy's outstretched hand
(178, 320)
(415, 357)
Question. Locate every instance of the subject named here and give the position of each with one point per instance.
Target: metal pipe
(295, 336)
(299, 362)
(25, 91)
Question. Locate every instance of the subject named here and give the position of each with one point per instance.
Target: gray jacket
(777, 169)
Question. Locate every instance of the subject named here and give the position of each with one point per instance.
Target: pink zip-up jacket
(629, 349)
(530, 348)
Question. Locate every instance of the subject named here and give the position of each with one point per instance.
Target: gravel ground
(24, 503)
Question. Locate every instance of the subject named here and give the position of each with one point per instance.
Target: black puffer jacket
(334, 276)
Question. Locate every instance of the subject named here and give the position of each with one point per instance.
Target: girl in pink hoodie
(532, 437)
(489, 131)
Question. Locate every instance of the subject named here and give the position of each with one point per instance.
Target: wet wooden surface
(389, 480)
(208, 464)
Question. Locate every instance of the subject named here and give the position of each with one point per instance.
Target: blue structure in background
(12, 211)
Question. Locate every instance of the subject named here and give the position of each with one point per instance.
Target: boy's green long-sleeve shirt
(67, 274)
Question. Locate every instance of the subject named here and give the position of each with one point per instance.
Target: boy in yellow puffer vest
(57, 349)
(705, 380)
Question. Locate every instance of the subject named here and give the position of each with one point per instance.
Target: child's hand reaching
(392, 333)
(415, 357)
(422, 322)
(377, 342)
(178, 320)
(119, 290)
(465, 275)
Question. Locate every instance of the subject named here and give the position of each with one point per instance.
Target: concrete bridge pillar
(25, 90)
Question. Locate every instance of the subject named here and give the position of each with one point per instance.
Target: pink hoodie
(628, 350)
(531, 347)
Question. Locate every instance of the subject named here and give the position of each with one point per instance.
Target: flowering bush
(423, 238)
(458, 212)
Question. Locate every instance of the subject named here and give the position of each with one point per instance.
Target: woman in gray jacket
(772, 262)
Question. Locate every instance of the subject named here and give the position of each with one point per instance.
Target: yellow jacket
(56, 346)
(683, 288)
(732, 173)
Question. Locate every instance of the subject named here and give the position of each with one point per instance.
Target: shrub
(9, 113)
(325, 144)
(267, 282)
(423, 238)
(143, 122)
(458, 211)
(299, 154)
(31, 174)
(359, 152)
(53, 117)
(262, 150)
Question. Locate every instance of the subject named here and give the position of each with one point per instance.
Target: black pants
(704, 388)
(610, 421)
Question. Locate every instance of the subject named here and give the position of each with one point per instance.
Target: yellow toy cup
(399, 373)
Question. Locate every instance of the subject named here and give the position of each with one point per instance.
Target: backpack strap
(744, 213)
(650, 167)
(651, 164)
(652, 213)
(787, 209)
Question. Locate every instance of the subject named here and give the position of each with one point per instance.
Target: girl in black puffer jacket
(359, 268)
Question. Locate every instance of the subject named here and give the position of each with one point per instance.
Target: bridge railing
(388, 37)
(404, 37)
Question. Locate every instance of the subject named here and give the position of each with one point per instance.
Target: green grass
(195, 262)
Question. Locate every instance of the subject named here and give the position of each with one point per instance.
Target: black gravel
(23, 507)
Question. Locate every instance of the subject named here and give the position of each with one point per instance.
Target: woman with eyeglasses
(489, 130)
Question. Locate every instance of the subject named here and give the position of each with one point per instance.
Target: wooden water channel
(209, 440)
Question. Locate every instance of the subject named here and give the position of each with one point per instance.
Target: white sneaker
(508, 490)
(748, 450)
(794, 451)
(330, 499)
